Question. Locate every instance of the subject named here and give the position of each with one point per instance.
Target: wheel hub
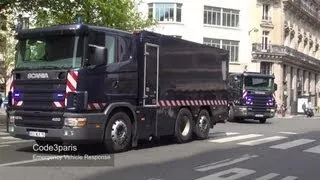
(203, 123)
(119, 132)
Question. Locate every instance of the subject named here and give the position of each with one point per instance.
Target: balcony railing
(284, 50)
(311, 11)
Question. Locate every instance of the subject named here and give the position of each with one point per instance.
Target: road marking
(234, 173)
(231, 133)
(262, 141)
(288, 132)
(16, 142)
(25, 162)
(235, 138)
(223, 163)
(223, 134)
(289, 178)
(9, 137)
(292, 144)
(3, 146)
(268, 176)
(315, 149)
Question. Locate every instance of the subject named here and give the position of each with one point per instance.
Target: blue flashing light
(59, 96)
(16, 95)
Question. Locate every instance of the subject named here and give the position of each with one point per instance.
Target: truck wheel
(202, 126)
(118, 133)
(263, 120)
(184, 126)
(231, 117)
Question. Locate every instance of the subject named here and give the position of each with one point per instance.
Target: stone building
(288, 46)
(279, 37)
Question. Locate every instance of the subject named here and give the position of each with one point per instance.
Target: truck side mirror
(97, 55)
(275, 86)
(236, 82)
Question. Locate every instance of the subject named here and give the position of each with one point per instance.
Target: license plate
(259, 115)
(37, 134)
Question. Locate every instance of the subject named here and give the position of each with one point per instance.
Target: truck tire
(263, 120)
(231, 117)
(184, 126)
(202, 125)
(118, 133)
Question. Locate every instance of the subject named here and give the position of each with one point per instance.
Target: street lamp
(254, 30)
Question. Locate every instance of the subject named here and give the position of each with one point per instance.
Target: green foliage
(120, 14)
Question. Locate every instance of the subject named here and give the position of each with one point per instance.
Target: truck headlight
(13, 118)
(75, 122)
(272, 110)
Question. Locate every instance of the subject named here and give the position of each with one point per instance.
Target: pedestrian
(304, 107)
(283, 110)
(1, 101)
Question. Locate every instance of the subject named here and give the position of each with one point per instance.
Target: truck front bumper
(92, 132)
(250, 113)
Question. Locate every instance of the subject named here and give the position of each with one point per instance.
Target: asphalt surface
(283, 148)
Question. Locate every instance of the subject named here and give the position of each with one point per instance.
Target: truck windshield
(258, 83)
(49, 52)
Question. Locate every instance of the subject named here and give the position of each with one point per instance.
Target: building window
(265, 11)
(221, 17)
(231, 46)
(265, 38)
(165, 12)
(265, 67)
(230, 17)
(212, 15)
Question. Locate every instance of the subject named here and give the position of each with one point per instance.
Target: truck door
(151, 74)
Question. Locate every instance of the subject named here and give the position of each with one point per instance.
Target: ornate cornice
(284, 54)
(298, 9)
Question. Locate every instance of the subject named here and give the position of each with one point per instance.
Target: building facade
(279, 37)
(288, 46)
(220, 23)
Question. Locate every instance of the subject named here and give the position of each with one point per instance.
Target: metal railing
(279, 49)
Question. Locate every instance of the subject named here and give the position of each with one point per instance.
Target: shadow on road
(251, 121)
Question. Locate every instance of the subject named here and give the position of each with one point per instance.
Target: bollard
(7, 122)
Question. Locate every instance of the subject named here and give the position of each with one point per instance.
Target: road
(283, 148)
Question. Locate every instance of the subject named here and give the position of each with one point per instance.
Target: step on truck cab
(252, 96)
(79, 83)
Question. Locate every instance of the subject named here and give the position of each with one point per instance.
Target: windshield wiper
(49, 67)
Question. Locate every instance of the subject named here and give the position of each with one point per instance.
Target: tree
(120, 14)
(7, 42)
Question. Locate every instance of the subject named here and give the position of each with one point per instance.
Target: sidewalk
(316, 114)
(3, 116)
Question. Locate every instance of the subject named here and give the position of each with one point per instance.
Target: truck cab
(64, 78)
(252, 96)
